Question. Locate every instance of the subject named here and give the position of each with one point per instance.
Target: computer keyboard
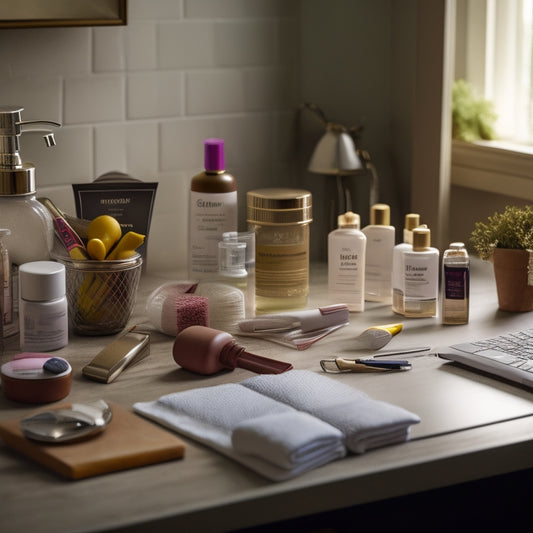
(508, 356)
(515, 349)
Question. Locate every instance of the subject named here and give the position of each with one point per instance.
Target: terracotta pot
(511, 273)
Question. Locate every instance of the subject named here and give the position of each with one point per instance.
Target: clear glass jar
(280, 220)
(31, 225)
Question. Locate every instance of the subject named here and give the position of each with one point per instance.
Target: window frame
(500, 167)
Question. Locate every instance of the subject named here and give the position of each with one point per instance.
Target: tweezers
(339, 364)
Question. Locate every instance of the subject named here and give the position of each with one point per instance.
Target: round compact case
(36, 378)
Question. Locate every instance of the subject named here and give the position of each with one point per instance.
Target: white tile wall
(141, 98)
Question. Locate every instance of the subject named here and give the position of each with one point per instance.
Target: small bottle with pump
(346, 262)
(247, 238)
(231, 269)
(31, 224)
(212, 211)
(412, 220)
(421, 276)
(455, 284)
(380, 241)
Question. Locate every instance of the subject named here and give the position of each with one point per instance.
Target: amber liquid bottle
(280, 219)
(212, 211)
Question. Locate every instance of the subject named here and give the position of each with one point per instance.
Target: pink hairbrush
(207, 351)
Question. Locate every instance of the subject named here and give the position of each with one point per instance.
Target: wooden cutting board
(128, 441)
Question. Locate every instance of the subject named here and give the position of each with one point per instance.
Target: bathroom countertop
(473, 426)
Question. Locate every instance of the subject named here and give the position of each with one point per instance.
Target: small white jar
(43, 309)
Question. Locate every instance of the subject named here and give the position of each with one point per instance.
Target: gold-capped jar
(280, 219)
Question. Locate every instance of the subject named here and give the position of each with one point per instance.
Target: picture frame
(58, 13)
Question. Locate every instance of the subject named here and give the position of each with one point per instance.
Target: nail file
(306, 320)
(122, 353)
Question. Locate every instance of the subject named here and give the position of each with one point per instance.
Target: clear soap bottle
(412, 220)
(346, 262)
(455, 284)
(31, 225)
(421, 281)
(380, 241)
(212, 211)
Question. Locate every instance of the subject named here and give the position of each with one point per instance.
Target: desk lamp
(336, 155)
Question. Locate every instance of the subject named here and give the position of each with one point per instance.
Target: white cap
(41, 281)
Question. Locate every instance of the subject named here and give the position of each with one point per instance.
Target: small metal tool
(123, 352)
(339, 364)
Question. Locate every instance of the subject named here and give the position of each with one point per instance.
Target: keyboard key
(495, 355)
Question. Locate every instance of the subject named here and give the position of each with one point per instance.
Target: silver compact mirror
(67, 424)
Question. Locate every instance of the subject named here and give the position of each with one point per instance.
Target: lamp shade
(335, 153)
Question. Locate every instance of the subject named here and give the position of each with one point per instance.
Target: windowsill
(493, 166)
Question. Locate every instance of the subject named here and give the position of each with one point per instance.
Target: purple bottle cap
(214, 155)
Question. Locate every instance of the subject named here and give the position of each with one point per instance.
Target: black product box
(127, 199)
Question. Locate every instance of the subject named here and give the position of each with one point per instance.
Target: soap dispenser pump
(31, 224)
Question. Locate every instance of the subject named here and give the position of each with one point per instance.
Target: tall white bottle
(212, 211)
(412, 220)
(346, 262)
(421, 281)
(380, 241)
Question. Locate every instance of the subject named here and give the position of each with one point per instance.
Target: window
(494, 54)
(494, 45)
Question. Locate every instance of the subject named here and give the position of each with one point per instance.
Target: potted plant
(506, 239)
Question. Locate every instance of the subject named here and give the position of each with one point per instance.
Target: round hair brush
(173, 307)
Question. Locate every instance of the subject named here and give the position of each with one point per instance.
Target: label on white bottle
(421, 275)
(210, 215)
(346, 269)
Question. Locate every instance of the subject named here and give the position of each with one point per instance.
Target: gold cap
(412, 220)
(380, 215)
(349, 220)
(272, 206)
(421, 239)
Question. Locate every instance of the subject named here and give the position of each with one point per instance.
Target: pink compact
(206, 351)
(36, 378)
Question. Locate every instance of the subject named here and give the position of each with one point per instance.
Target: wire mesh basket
(101, 294)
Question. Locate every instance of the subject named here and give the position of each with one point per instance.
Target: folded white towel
(366, 423)
(292, 440)
(282, 425)
(212, 414)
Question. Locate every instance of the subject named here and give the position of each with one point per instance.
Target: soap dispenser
(31, 225)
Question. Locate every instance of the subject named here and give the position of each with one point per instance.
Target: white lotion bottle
(346, 262)
(421, 281)
(43, 308)
(380, 242)
(412, 220)
(212, 211)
